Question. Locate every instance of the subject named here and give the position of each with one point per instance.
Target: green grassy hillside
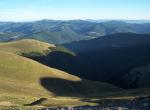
(23, 81)
(26, 46)
(20, 75)
(30, 48)
(26, 82)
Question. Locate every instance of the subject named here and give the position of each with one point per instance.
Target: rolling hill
(60, 36)
(107, 59)
(9, 36)
(26, 46)
(59, 32)
(103, 54)
(23, 80)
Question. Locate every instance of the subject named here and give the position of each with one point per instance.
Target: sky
(30, 10)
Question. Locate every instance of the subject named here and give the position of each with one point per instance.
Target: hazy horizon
(98, 20)
(33, 10)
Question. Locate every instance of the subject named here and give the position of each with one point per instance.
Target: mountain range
(73, 63)
(59, 32)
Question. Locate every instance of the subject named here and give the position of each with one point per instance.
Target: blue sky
(29, 10)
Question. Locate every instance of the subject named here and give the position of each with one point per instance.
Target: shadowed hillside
(105, 59)
(27, 82)
(22, 81)
(75, 88)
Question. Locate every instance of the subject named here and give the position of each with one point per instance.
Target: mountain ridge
(59, 32)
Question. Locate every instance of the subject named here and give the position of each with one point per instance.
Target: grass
(16, 68)
(30, 48)
(26, 46)
(20, 83)
(61, 48)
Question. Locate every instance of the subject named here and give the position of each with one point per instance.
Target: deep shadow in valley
(106, 59)
(100, 95)
(108, 64)
(82, 88)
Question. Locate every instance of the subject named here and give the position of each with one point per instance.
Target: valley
(52, 64)
(32, 80)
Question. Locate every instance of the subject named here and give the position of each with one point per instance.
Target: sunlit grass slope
(26, 46)
(14, 68)
(20, 81)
